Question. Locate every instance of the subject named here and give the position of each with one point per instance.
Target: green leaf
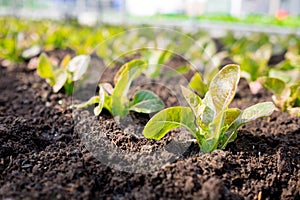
(231, 115)
(69, 86)
(78, 66)
(108, 88)
(107, 103)
(285, 65)
(216, 60)
(103, 100)
(60, 79)
(293, 101)
(145, 101)
(211, 73)
(253, 112)
(263, 54)
(124, 68)
(275, 85)
(256, 111)
(64, 63)
(93, 100)
(251, 67)
(31, 52)
(294, 111)
(223, 86)
(198, 85)
(156, 58)
(171, 118)
(97, 110)
(208, 101)
(249, 114)
(212, 136)
(279, 74)
(44, 68)
(180, 70)
(101, 104)
(130, 71)
(209, 112)
(194, 101)
(295, 90)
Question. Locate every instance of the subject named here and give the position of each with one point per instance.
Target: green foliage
(252, 53)
(66, 74)
(250, 19)
(254, 64)
(24, 39)
(156, 59)
(197, 84)
(170, 118)
(9, 49)
(283, 81)
(285, 86)
(209, 120)
(204, 54)
(292, 56)
(115, 99)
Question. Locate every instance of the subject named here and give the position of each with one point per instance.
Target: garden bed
(42, 156)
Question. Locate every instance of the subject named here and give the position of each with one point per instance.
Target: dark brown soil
(43, 153)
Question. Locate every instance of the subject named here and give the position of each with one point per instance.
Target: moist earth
(43, 153)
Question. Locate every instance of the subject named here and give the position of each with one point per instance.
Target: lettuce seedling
(209, 120)
(254, 65)
(155, 58)
(9, 49)
(211, 59)
(115, 99)
(69, 71)
(293, 55)
(200, 82)
(285, 89)
(204, 52)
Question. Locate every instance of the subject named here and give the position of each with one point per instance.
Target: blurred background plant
(262, 37)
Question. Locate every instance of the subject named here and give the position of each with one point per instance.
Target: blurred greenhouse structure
(181, 13)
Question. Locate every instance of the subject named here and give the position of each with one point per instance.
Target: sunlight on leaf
(60, 79)
(145, 101)
(44, 67)
(130, 71)
(275, 85)
(166, 120)
(78, 66)
(223, 86)
(198, 85)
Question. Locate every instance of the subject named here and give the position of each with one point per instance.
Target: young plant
(9, 48)
(285, 89)
(200, 82)
(69, 71)
(156, 58)
(209, 120)
(211, 59)
(254, 64)
(292, 56)
(115, 99)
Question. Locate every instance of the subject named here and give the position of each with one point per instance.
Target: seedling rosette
(285, 89)
(209, 120)
(69, 71)
(254, 65)
(115, 99)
